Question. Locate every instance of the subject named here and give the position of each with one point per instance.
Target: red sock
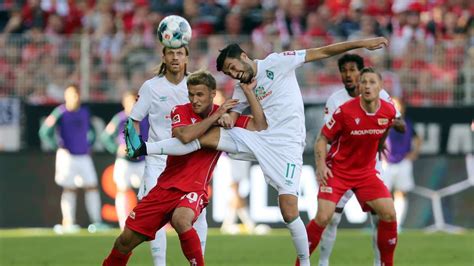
(314, 232)
(387, 241)
(116, 258)
(191, 246)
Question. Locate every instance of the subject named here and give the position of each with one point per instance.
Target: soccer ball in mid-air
(174, 31)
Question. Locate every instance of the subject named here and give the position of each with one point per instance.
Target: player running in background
(403, 149)
(71, 122)
(355, 130)
(127, 173)
(350, 66)
(279, 149)
(238, 207)
(156, 98)
(181, 191)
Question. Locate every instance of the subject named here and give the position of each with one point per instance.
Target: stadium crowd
(46, 44)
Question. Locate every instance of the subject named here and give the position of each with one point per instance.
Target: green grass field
(42, 247)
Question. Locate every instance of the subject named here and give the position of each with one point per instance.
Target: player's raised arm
(314, 54)
(258, 122)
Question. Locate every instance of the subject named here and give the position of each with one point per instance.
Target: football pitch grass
(41, 247)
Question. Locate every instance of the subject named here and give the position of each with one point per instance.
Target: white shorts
(281, 161)
(239, 170)
(154, 166)
(399, 176)
(74, 171)
(128, 174)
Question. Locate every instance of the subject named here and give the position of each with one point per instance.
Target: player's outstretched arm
(323, 172)
(314, 54)
(189, 133)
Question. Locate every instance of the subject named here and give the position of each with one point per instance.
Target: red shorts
(156, 209)
(365, 189)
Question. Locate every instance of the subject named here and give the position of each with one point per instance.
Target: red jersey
(354, 136)
(191, 172)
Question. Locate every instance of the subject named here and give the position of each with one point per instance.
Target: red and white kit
(354, 135)
(183, 183)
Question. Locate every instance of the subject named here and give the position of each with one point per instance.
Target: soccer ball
(174, 31)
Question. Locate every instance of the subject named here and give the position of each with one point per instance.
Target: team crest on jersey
(132, 215)
(382, 121)
(261, 93)
(176, 119)
(270, 74)
(357, 120)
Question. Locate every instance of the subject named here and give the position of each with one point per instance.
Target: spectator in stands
(413, 30)
(109, 39)
(233, 26)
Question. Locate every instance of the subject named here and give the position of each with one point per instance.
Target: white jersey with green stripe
(279, 94)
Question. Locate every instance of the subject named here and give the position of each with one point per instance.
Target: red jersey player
(181, 191)
(355, 131)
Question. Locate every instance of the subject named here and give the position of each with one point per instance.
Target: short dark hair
(351, 58)
(370, 70)
(202, 77)
(230, 51)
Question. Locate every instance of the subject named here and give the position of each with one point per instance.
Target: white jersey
(279, 95)
(341, 96)
(157, 97)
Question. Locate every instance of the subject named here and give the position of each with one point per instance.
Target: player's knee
(180, 224)
(290, 217)
(388, 215)
(123, 244)
(323, 219)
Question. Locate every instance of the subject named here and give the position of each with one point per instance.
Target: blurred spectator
(269, 36)
(59, 7)
(32, 15)
(413, 30)
(251, 12)
(167, 7)
(109, 38)
(233, 26)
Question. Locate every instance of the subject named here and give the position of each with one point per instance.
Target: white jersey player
(156, 98)
(350, 66)
(278, 149)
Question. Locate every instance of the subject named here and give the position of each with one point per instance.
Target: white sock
(300, 240)
(92, 198)
(172, 146)
(400, 209)
(244, 216)
(121, 206)
(201, 228)
(374, 222)
(230, 218)
(68, 207)
(328, 239)
(158, 248)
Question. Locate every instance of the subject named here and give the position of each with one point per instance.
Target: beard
(247, 74)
